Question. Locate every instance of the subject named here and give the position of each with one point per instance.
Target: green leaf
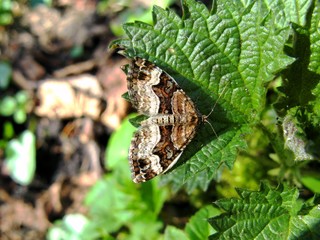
(267, 214)
(133, 11)
(20, 116)
(22, 97)
(8, 106)
(315, 39)
(8, 130)
(298, 80)
(316, 106)
(289, 12)
(71, 227)
(118, 145)
(21, 158)
(234, 47)
(116, 201)
(198, 226)
(201, 168)
(312, 182)
(15, 106)
(135, 121)
(172, 232)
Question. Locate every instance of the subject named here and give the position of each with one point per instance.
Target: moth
(172, 124)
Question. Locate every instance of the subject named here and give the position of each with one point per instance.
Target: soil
(51, 50)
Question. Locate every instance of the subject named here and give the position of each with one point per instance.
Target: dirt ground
(60, 56)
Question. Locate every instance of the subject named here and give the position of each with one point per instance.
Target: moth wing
(142, 76)
(152, 152)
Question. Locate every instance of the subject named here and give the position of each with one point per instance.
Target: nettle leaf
(298, 79)
(316, 107)
(226, 54)
(315, 59)
(267, 214)
(315, 40)
(300, 102)
(289, 12)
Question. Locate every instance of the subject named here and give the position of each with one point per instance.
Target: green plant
(21, 158)
(204, 51)
(271, 213)
(70, 227)
(12, 105)
(267, 54)
(116, 202)
(6, 16)
(15, 106)
(131, 11)
(254, 48)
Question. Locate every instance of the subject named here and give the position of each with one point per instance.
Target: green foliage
(20, 153)
(266, 55)
(6, 16)
(206, 52)
(116, 202)
(15, 106)
(267, 214)
(121, 208)
(312, 183)
(131, 12)
(21, 158)
(197, 228)
(70, 227)
(260, 60)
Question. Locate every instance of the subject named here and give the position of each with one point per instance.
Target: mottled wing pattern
(172, 123)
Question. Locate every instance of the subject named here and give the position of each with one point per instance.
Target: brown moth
(172, 123)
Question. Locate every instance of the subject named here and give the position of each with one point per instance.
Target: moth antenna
(215, 104)
(205, 117)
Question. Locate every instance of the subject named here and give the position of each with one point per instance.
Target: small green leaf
(20, 116)
(71, 227)
(21, 158)
(133, 12)
(6, 18)
(172, 232)
(115, 202)
(8, 130)
(126, 96)
(198, 226)
(313, 183)
(270, 213)
(8, 106)
(22, 97)
(135, 121)
(118, 145)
